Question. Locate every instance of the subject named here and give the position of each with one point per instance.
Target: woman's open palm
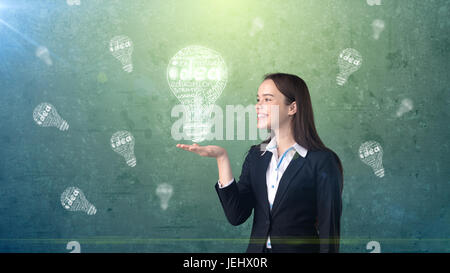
(208, 151)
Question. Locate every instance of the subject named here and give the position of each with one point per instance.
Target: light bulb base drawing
(63, 126)
(379, 172)
(164, 206)
(196, 131)
(91, 210)
(341, 80)
(128, 68)
(131, 161)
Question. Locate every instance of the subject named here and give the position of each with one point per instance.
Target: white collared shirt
(276, 169)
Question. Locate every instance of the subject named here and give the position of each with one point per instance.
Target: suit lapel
(294, 166)
(261, 180)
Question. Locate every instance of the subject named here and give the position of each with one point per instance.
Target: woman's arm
(329, 204)
(224, 167)
(237, 199)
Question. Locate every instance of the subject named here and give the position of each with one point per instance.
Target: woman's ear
(292, 108)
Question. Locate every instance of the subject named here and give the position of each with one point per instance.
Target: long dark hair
(305, 133)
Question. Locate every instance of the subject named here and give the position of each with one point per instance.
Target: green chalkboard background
(408, 210)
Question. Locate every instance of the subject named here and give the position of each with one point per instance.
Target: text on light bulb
(121, 141)
(44, 114)
(349, 59)
(199, 73)
(118, 46)
(369, 152)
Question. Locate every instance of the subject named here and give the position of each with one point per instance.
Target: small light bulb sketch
(121, 47)
(371, 153)
(374, 2)
(73, 199)
(45, 115)
(349, 61)
(374, 246)
(73, 2)
(257, 26)
(122, 143)
(74, 246)
(43, 54)
(164, 192)
(197, 76)
(378, 27)
(405, 106)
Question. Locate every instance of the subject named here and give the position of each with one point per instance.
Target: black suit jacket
(309, 191)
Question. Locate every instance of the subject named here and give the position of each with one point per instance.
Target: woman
(296, 197)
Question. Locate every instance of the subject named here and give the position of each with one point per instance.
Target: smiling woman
(295, 197)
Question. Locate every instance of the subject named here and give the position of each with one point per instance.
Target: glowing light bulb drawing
(374, 246)
(45, 115)
(164, 192)
(349, 61)
(378, 27)
(74, 246)
(43, 54)
(197, 76)
(371, 153)
(73, 199)
(374, 2)
(121, 47)
(405, 106)
(257, 25)
(122, 143)
(73, 2)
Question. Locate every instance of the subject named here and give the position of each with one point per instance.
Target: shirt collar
(272, 145)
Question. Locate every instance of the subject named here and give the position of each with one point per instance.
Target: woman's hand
(223, 163)
(209, 150)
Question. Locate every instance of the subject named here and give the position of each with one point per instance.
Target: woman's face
(269, 100)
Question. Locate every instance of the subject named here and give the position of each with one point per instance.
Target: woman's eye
(267, 99)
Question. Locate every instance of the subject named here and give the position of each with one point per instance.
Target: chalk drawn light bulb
(45, 115)
(197, 76)
(349, 61)
(373, 2)
(43, 54)
(257, 26)
(405, 106)
(121, 47)
(74, 246)
(164, 192)
(378, 27)
(374, 246)
(73, 2)
(122, 143)
(73, 199)
(371, 153)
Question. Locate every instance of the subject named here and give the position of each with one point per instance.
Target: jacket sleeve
(237, 199)
(329, 204)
